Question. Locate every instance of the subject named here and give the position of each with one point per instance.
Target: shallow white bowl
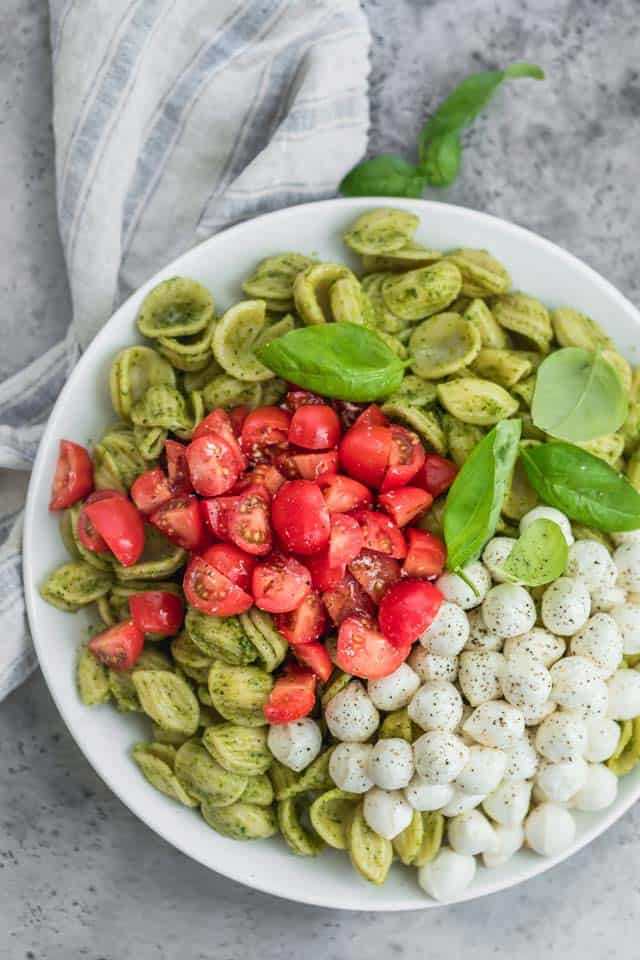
(83, 411)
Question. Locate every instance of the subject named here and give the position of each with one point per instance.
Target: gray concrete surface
(79, 876)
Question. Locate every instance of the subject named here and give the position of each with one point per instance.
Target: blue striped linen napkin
(172, 120)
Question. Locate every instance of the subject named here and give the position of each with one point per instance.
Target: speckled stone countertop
(80, 877)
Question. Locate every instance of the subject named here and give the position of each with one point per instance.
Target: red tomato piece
(375, 572)
(300, 517)
(118, 647)
(426, 555)
(315, 427)
(232, 562)
(280, 584)
(209, 591)
(348, 412)
(87, 533)
(347, 599)
(267, 476)
(150, 490)
(372, 417)
(345, 540)
(73, 478)
(213, 465)
(264, 432)
(363, 651)
(178, 468)
(315, 656)
(157, 611)
(217, 513)
(238, 416)
(323, 575)
(218, 423)
(293, 695)
(248, 521)
(300, 398)
(312, 466)
(405, 504)
(120, 524)
(405, 458)
(181, 521)
(437, 474)
(342, 494)
(407, 609)
(381, 533)
(364, 454)
(304, 624)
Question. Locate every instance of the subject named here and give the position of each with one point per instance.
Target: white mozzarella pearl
(425, 796)
(494, 555)
(541, 644)
(606, 598)
(436, 705)
(509, 802)
(461, 802)
(598, 706)
(348, 765)
(447, 876)
(624, 695)
(575, 681)
(386, 812)
(390, 763)
(562, 736)
(508, 610)
(295, 744)
(470, 833)
(600, 640)
(626, 536)
(533, 715)
(599, 790)
(440, 756)
(479, 675)
(627, 560)
(549, 829)
(506, 842)
(457, 591)
(448, 633)
(351, 715)
(591, 562)
(522, 759)
(525, 681)
(560, 781)
(548, 513)
(480, 638)
(627, 620)
(566, 605)
(495, 723)
(483, 770)
(429, 666)
(394, 691)
(602, 739)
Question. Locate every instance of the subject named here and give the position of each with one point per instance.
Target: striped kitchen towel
(172, 120)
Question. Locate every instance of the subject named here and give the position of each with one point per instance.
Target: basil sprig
(584, 487)
(439, 146)
(477, 494)
(341, 360)
(539, 556)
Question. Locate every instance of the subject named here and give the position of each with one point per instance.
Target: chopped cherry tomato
(120, 524)
(238, 416)
(375, 572)
(372, 417)
(347, 599)
(268, 476)
(118, 647)
(181, 521)
(218, 423)
(157, 611)
(405, 504)
(315, 656)
(426, 555)
(381, 533)
(73, 478)
(324, 576)
(248, 523)
(315, 427)
(178, 468)
(407, 609)
(342, 494)
(217, 513)
(348, 412)
(213, 465)
(300, 517)
(264, 432)
(363, 651)
(150, 490)
(280, 584)
(311, 466)
(300, 398)
(209, 591)
(87, 533)
(232, 562)
(405, 458)
(364, 454)
(293, 695)
(345, 540)
(437, 474)
(305, 624)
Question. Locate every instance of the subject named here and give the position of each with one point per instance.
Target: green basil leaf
(385, 176)
(342, 360)
(584, 487)
(442, 161)
(475, 499)
(578, 396)
(539, 556)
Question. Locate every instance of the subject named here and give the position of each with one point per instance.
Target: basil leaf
(342, 360)
(385, 176)
(578, 396)
(442, 160)
(584, 487)
(475, 499)
(539, 556)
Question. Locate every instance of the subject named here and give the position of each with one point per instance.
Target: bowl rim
(465, 214)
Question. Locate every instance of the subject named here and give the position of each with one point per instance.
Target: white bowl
(83, 411)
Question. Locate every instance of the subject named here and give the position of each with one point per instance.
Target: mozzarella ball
(602, 739)
(562, 736)
(591, 562)
(394, 691)
(460, 802)
(598, 706)
(439, 756)
(348, 765)
(386, 812)
(627, 619)
(457, 591)
(390, 764)
(548, 513)
(525, 680)
(624, 695)
(479, 673)
(566, 605)
(429, 666)
(481, 638)
(539, 643)
(436, 705)
(549, 829)
(599, 790)
(509, 610)
(483, 770)
(509, 802)
(448, 632)
(470, 832)
(495, 723)
(295, 744)
(533, 715)
(560, 781)
(494, 555)
(575, 681)
(627, 560)
(600, 640)
(626, 536)
(522, 759)
(351, 715)
(425, 796)
(447, 876)
(506, 842)
(606, 598)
